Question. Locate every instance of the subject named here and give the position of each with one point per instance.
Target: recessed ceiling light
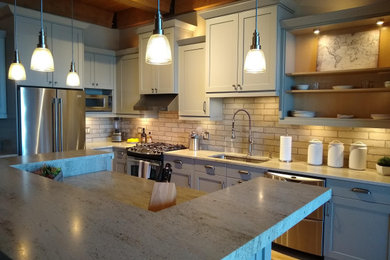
(316, 31)
(380, 22)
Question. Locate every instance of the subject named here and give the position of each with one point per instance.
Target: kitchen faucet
(250, 139)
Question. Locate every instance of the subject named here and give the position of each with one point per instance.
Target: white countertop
(297, 167)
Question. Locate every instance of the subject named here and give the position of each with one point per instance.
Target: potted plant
(383, 166)
(50, 172)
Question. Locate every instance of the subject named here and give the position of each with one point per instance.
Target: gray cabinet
(357, 221)
(120, 160)
(209, 176)
(182, 170)
(237, 174)
(99, 68)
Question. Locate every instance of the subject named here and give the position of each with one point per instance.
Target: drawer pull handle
(179, 162)
(360, 190)
(243, 172)
(209, 167)
(240, 181)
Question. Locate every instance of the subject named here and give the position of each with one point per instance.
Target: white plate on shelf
(341, 116)
(342, 87)
(380, 116)
(302, 113)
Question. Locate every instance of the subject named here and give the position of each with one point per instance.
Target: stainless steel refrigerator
(50, 120)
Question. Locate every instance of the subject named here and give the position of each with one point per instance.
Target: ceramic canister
(314, 153)
(336, 154)
(358, 156)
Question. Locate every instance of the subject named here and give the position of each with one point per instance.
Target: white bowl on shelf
(342, 87)
(387, 84)
(301, 87)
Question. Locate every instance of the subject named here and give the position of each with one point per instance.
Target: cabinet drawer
(243, 173)
(210, 168)
(180, 164)
(360, 191)
(120, 154)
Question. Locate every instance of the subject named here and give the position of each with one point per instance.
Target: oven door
(155, 167)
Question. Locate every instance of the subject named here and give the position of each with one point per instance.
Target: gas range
(153, 151)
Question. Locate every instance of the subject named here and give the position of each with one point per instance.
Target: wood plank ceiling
(119, 13)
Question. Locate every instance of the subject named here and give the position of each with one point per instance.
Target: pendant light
(255, 59)
(72, 79)
(158, 50)
(42, 59)
(16, 70)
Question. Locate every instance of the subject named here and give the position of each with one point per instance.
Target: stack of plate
(301, 113)
(342, 87)
(380, 116)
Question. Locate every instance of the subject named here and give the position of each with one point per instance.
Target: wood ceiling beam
(133, 17)
(82, 12)
(147, 5)
(185, 6)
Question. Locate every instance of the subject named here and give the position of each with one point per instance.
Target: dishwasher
(307, 235)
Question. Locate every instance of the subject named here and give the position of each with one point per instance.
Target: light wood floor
(279, 256)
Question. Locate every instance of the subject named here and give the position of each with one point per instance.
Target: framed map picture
(348, 51)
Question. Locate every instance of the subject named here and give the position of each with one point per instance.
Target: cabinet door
(182, 179)
(192, 101)
(165, 73)
(3, 76)
(28, 31)
(147, 73)
(356, 229)
(62, 53)
(208, 183)
(127, 88)
(221, 53)
(89, 77)
(120, 166)
(267, 27)
(104, 71)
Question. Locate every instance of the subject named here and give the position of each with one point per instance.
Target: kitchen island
(44, 219)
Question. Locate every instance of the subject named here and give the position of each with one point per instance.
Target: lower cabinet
(237, 174)
(209, 183)
(357, 222)
(120, 160)
(182, 170)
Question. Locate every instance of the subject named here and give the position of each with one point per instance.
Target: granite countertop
(369, 176)
(45, 219)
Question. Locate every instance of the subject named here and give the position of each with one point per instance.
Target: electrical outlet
(206, 135)
(87, 130)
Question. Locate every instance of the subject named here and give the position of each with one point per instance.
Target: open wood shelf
(328, 121)
(352, 90)
(339, 72)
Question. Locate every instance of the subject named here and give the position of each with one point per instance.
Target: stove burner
(155, 148)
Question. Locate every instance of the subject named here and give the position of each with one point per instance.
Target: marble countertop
(125, 188)
(44, 219)
(369, 176)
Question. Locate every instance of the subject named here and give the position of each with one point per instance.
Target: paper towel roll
(285, 148)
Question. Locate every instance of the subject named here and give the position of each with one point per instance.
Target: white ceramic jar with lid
(358, 156)
(314, 152)
(336, 154)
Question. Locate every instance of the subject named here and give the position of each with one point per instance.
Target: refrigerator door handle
(54, 125)
(60, 126)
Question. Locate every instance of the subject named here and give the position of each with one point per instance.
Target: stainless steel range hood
(160, 102)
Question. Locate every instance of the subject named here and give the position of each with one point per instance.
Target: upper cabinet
(3, 92)
(339, 74)
(59, 41)
(193, 102)
(99, 68)
(127, 84)
(161, 79)
(228, 39)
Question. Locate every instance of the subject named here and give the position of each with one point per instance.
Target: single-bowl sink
(244, 158)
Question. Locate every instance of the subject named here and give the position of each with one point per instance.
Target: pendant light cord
(158, 6)
(42, 15)
(72, 32)
(256, 18)
(15, 29)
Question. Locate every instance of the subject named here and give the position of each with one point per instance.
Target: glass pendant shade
(158, 50)
(255, 61)
(16, 70)
(42, 60)
(72, 79)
